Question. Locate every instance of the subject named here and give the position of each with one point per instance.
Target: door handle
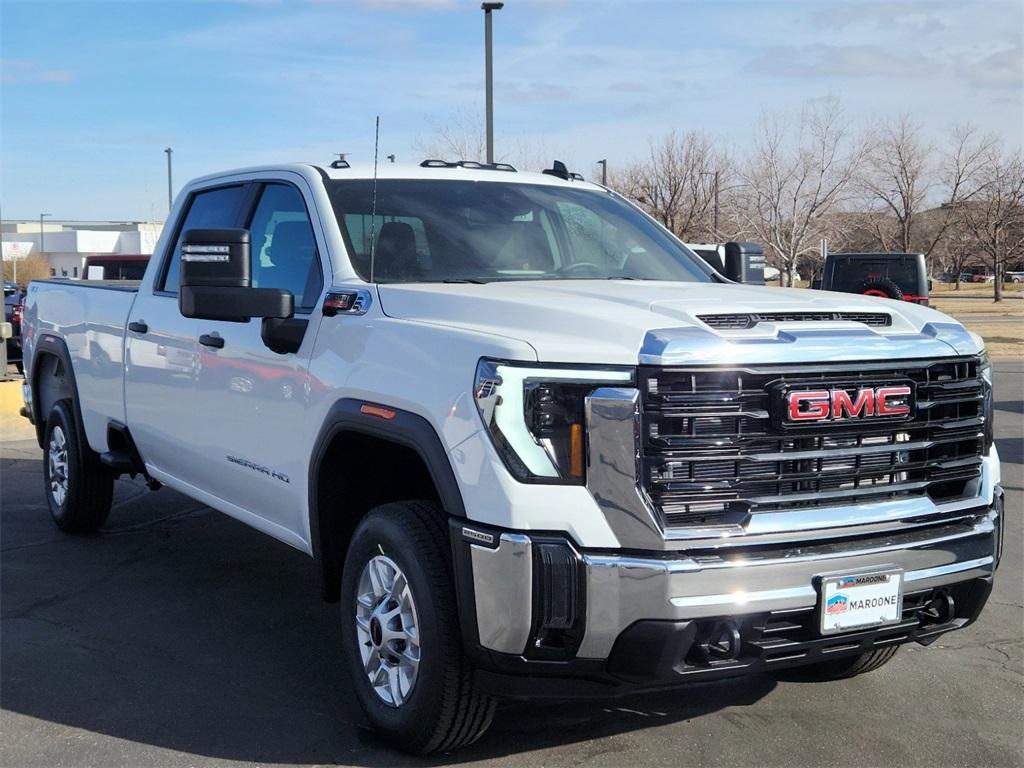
(138, 326)
(211, 340)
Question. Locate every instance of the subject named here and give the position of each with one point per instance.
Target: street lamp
(604, 172)
(489, 75)
(170, 194)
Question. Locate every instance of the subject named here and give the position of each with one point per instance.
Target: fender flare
(53, 345)
(407, 429)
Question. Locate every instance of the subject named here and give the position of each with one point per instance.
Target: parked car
(1013, 277)
(534, 446)
(901, 276)
(12, 315)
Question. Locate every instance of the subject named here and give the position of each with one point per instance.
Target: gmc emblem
(817, 405)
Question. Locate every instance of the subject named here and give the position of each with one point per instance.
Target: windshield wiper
(473, 280)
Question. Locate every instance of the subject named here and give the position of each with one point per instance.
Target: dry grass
(944, 290)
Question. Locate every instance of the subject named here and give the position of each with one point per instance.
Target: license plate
(860, 601)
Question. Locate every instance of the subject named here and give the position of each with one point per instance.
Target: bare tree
(795, 177)
(995, 213)
(461, 136)
(958, 246)
(903, 175)
(676, 183)
(32, 267)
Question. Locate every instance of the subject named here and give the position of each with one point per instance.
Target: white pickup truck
(535, 446)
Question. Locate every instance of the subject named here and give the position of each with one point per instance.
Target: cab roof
(386, 170)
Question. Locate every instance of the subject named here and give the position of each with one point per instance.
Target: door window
(211, 209)
(284, 251)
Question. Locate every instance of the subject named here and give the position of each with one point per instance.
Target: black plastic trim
(406, 429)
(53, 345)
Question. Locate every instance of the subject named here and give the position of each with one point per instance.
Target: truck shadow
(181, 629)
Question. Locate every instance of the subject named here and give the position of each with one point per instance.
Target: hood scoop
(742, 321)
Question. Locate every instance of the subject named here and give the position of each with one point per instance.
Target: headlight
(535, 416)
(985, 373)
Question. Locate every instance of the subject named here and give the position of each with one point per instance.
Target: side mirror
(929, 285)
(215, 279)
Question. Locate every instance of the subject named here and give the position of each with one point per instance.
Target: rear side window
(211, 209)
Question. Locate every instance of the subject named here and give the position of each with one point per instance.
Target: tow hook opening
(940, 609)
(721, 643)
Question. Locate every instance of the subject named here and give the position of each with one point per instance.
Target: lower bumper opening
(660, 651)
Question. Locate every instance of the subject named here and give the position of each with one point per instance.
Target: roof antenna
(373, 207)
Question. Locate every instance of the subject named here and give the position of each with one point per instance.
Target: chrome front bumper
(619, 590)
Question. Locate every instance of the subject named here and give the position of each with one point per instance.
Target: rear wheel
(839, 669)
(79, 488)
(400, 629)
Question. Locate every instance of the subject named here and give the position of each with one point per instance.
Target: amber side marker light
(576, 450)
(377, 410)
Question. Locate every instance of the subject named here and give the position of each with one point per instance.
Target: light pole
(170, 194)
(489, 75)
(604, 172)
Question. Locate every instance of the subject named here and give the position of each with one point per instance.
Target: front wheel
(840, 669)
(79, 488)
(400, 629)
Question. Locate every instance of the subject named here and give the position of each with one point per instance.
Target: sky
(92, 92)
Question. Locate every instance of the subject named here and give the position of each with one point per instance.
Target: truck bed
(89, 316)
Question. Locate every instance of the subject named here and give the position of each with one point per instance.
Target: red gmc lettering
(817, 405)
(843, 406)
(901, 405)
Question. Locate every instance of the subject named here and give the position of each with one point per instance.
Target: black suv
(901, 276)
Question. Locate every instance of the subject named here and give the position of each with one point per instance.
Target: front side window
(212, 209)
(436, 231)
(284, 251)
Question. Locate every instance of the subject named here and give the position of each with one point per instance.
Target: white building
(66, 244)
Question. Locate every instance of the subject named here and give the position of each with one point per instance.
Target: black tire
(87, 484)
(839, 669)
(882, 287)
(443, 710)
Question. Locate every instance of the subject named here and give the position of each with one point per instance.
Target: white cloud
(29, 71)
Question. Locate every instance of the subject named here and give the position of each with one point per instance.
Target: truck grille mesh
(713, 455)
(737, 322)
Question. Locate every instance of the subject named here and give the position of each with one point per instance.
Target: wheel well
(53, 382)
(357, 473)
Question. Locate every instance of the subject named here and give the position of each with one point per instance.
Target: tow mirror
(215, 279)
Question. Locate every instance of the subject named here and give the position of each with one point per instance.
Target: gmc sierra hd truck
(535, 446)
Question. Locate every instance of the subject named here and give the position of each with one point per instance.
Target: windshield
(436, 231)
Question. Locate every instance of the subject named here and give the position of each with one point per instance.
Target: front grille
(740, 321)
(712, 453)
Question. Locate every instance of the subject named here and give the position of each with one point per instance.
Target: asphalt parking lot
(179, 637)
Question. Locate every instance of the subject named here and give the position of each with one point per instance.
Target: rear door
(162, 355)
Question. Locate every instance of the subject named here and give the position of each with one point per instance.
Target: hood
(625, 322)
